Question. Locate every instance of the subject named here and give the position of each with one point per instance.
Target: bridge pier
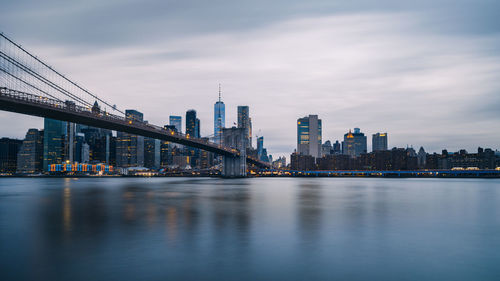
(234, 166)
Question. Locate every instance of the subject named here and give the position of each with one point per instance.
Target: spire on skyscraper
(219, 92)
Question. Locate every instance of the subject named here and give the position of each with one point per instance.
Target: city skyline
(358, 69)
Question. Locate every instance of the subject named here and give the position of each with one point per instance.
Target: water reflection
(309, 207)
(248, 229)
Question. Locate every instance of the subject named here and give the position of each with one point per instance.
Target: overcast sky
(428, 73)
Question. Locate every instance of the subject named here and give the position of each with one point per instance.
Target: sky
(428, 73)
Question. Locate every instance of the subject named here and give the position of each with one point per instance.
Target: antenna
(219, 91)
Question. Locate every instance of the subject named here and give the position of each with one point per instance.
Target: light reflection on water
(249, 229)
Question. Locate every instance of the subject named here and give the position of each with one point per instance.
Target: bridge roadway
(24, 103)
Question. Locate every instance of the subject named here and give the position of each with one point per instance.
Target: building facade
(354, 143)
(245, 122)
(379, 142)
(53, 142)
(30, 155)
(309, 136)
(176, 121)
(130, 148)
(8, 154)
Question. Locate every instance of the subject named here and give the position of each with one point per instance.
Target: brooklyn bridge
(30, 86)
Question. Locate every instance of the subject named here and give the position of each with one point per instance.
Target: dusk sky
(426, 72)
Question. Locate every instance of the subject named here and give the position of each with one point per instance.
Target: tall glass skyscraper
(379, 141)
(309, 136)
(130, 148)
(219, 119)
(191, 128)
(53, 142)
(176, 121)
(354, 144)
(244, 121)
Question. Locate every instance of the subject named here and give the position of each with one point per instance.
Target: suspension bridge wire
(34, 87)
(61, 75)
(44, 80)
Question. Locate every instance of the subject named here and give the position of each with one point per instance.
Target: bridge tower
(234, 167)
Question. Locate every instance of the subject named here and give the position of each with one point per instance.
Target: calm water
(249, 229)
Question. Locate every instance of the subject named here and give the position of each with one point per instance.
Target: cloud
(380, 71)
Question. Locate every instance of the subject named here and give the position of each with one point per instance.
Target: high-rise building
(151, 153)
(193, 130)
(219, 119)
(309, 136)
(244, 121)
(30, 155)
(260, 147)
(8, 154)
(354, 144)
(191, 123)
(176, 121)
(379, 142)
(326, 148)
(337, 148)
(130, 148)
(53, 142)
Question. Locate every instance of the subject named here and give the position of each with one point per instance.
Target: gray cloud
(425, 79)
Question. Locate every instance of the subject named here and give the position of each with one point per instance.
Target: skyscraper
(30, 156)
(309, 136)
(176, 121)
(219, 118)
(260, 147)
(130, 148)
(53, 142)
(8, 154)
(354, 143)
(193, 130)
(244, 121)
(191, 123)
(379, 142)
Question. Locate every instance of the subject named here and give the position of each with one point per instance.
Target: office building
(130, 148)
(193, 130)
(53, 142)
(176, 121)
(8, 154)
(244, 121)
(354, 144)
(219, 119)
(379, 142)
(151, 153)
(309, 136)
(30, 155)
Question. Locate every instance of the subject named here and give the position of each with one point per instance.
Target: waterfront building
(191, 123)
(244, 122)
(421, 158)
(193, 130)
(337, 148)
(326, 148)
(379, 141)
(151, 153)
(302, 162)
(8, 154)
(53, 142)
(130, 148)
(30, 155)
(309, 136)
(176, 121)
(354, 144)
(279, 163)
(219, 119)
